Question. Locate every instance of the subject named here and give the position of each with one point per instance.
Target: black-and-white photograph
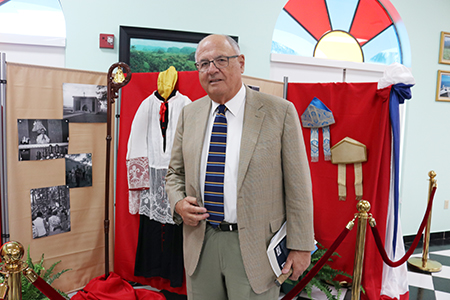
(79, 170)
(50, 210)
(85, 103)
(41, 139)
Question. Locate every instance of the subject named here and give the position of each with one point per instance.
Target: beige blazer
(274, 183)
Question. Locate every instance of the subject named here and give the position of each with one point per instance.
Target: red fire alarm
(106, 40)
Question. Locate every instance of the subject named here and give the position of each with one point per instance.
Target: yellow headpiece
(167, 81)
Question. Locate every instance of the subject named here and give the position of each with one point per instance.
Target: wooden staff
(115, 82)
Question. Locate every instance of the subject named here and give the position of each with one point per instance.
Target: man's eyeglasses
(219, 62)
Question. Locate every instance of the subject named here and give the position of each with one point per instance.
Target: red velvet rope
(47, 290)
(411, 249)
(301, 285)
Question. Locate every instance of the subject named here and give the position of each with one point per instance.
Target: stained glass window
(351, 30)
(43, 18)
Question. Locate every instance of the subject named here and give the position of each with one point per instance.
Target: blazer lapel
(201, 119)
(253, 119)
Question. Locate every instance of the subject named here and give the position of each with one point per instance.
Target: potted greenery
(29, 291)
(323, 279)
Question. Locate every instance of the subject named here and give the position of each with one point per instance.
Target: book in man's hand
(278, 252)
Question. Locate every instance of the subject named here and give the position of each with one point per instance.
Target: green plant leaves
(324, 278)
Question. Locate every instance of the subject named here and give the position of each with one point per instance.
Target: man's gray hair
(233, 44)
(230, 40)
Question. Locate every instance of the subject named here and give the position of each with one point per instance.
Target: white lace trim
(154, 201)
(133, 201)
(146, 179)
(138, 176)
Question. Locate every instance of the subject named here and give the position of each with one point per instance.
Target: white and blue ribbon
(314, 144)
(326, 142)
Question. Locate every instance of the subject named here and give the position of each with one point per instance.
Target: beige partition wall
(35, 92)
(266, 86)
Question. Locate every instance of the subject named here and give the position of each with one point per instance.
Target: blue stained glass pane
(341, 13)
(404, 41)
(383, 49)
(289, 37)
(32, 18)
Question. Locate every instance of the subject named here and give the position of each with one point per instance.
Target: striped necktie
(215, 168)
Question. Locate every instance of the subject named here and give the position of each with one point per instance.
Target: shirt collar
(234, 105)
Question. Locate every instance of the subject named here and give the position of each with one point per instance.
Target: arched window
(350, 30)
(26, 18)
(33, 31)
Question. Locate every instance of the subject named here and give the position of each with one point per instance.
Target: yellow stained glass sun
(339, 45)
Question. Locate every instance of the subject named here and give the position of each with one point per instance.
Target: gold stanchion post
(12, 253)
(13, 267)
(423, 263)
(363, 207)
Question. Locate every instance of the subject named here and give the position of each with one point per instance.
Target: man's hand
(298, 261)
(190, 212)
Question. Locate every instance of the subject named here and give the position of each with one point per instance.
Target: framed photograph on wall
(443, 86)
(444, 49)
(155, 50)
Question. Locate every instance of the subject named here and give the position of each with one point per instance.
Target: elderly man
(238, 171)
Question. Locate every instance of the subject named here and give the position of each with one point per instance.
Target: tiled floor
(436, 285)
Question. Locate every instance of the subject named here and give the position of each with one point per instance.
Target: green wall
(427, 137)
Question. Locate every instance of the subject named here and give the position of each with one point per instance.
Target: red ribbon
(162, 112)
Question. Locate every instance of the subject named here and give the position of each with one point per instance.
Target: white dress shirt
(235, 121)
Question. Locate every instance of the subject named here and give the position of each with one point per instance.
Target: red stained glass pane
(370, 20)
(316, 23)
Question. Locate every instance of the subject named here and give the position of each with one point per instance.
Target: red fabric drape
(140, 87)
(361, 113)
(1, 232)
(114, 288)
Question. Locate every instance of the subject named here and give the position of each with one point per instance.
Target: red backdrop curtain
(140, 87)
(361, 112)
